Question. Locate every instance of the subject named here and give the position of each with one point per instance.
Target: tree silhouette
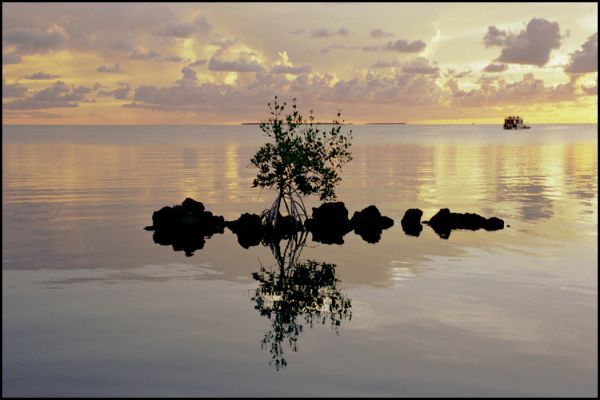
(300, 160)
(297, 294)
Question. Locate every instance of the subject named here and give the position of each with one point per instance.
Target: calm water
(92, 306)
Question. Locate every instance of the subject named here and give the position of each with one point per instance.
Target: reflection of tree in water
(298, 294)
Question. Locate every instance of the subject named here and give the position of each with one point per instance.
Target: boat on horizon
(514, 122)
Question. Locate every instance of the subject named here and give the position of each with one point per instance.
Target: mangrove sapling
(300, 160)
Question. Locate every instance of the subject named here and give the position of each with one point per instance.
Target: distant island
(345, 123)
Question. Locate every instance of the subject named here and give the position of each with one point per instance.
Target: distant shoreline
(314, 123)
(331, 123)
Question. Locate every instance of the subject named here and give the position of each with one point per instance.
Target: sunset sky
(201, 63)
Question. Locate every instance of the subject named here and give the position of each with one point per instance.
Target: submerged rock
(411, 222)
(369, 224)
(445, 221)
(329, 223)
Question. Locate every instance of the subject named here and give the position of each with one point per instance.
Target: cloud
(590, 90)
(379, 33)
(420, 65)
(285, 69)
(405, 46)
(400, 46)
(141, 54)
(184, 30)
(175, 59)
(197, 63)
(585, 59)
(239, 65)
(298, 31)
(324, 33)
(188, 74)
(385, 64)
(151, 55)
(494, 37)
(59, 95)
(29, 41)
(121, 93)
(459, 75)
(531, 46)
(494, 67)
(40, 76)
(11, 58)
(495, 91)
(115, 69)
(13, 90)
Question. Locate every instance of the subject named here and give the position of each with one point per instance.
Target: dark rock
(493, 224)
(193, 206)
(369, 224)
(329, 223)
(386, 222)
(185, 226)
(411, 222)
(445, 221)
(334, 213)
(248, 228)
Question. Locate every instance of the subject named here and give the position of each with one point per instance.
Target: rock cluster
(445, 221)
(329, 223)
(185, 226)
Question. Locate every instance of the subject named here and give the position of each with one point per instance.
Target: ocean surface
(92, 306)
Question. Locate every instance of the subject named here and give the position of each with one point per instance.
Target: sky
(220, 63)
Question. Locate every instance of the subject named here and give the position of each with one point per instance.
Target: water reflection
(296, 294)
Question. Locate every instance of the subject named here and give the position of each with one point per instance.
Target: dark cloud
(585, 59)
(495, 67)
(121, 93)
(197, 63)
(151, 55)
(59, 95)
(401, 46)
(462, 74)
(146, 55)
(241, 65)
(379, 33)
(405, 46)
(324, 33)
(11, 58)
(188, 74)
(40, 76)
(184, 30)
(420, 65)
(175, 59)
(284, 69)
(494, 37)
(115, 69)
(13, 90)
(29, 41)
(531, 46)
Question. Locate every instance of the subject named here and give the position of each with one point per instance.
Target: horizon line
(324, 123)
